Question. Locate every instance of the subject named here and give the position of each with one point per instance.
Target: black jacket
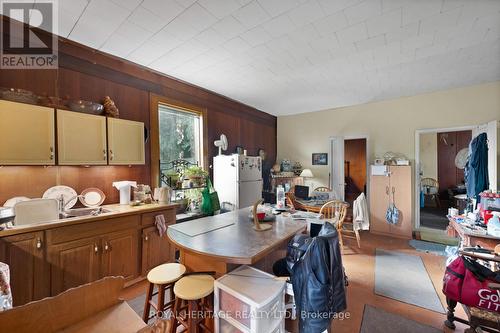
(318, 282)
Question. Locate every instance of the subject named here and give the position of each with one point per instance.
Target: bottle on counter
(280, 197)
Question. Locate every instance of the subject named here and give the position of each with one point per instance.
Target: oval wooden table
(221, 250)
(313, 208)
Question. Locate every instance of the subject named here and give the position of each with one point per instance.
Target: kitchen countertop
(238, 243)
(117, 210)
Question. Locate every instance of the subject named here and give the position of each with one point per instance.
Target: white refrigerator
(238, 180)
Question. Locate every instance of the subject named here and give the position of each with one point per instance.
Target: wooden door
(400, 183)
(379, 201)
(125, 142)
(156, 250)
(26, 134)
(74, 263)
(120, 254)
(29, 273)
(81, 139)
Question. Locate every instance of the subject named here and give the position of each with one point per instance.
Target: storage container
(248, 300)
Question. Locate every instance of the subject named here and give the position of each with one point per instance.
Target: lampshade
(306, 173)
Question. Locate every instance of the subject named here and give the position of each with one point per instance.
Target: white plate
(12, 201)
(70, 196)
(92, 197)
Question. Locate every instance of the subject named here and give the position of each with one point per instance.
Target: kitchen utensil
(68, 194)
(12, 201)
(36, 211)
(85, 106)
(124, 188)
(92, 197)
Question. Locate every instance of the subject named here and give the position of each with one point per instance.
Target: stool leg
(193, 317)
(161, 300)
(147, 306)
(173, 317)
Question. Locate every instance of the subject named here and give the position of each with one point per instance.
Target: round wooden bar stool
(164, 277)
(193, 298)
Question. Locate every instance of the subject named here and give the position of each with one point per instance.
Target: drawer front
(91, 229)
(234, 307)
(148, 219)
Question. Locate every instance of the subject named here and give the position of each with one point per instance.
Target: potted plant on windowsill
(196, 176)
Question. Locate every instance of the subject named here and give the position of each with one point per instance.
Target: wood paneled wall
(88, 74)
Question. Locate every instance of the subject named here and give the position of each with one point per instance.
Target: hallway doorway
(354, 168)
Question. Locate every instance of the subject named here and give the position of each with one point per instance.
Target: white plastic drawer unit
(248, 300)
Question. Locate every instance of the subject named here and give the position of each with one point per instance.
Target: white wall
(428, 155)
(389, 124)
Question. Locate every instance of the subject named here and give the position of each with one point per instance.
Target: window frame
(155, 101)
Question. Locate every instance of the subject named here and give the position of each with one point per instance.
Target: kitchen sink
(78, 212)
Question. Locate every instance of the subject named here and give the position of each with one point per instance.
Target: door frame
(416, 174)
(368, 158)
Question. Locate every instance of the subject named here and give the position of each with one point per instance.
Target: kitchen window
(180, 134)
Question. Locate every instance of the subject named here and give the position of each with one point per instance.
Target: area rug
(428, 247)
(404, 278)
(376, 320)
(137, 304)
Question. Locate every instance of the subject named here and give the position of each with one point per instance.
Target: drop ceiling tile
(279, 26)
(389, 21)
(328, 25)
(229, 27)
(371, 43)
(407, 31)
(181, 29)
(390, 5)
(146, 19)
(220, 8)
(251, 15)
(352, 34)
(335, 6)
(210, 37)
(306, 13)
(166, 9)
(149, 51)
(102, 8)
(129, 4)
(256, 36)
(325, 43)
(363, 11)
(439, 21)
(74, 7)
(417, 10)
(185, 3)
(278, 7)
(91, 32)
(197, 17)
(413, 43)
(236, 45)
(66, 22)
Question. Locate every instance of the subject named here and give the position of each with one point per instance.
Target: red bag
(467, 281)
(453, 279)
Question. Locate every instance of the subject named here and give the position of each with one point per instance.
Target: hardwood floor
(360, 268)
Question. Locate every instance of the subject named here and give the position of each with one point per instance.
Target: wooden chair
(322, 189)
(290, 200)
(428, 183)
(328, 211)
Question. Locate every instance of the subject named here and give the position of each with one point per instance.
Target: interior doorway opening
(355, 164)
(442, 181)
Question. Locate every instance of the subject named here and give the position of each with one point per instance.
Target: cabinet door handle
(105, 154)
(111, 155)
(106, 247)
(38, 243)
(146, 238)
(96, 248)
(51, 153)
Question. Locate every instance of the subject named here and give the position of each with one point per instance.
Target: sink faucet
(62, 203)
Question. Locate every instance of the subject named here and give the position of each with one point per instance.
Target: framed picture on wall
(319, 159)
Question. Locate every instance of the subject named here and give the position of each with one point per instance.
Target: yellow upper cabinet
(125, 142)
(81, 139)
(26, 134)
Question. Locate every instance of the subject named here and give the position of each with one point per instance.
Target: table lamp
(306, 173)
